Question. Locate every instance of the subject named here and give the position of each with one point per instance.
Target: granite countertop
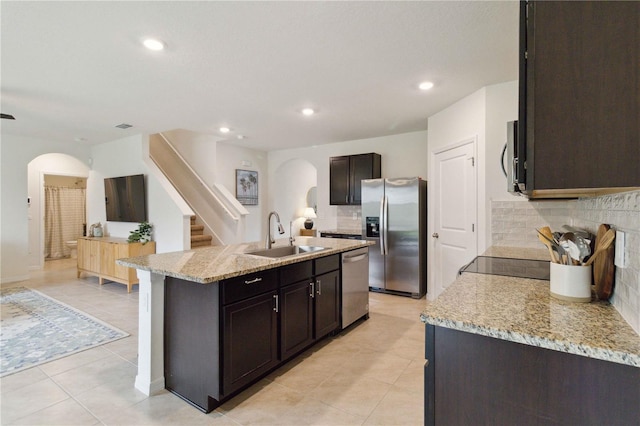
(521, 310)
(209, 264)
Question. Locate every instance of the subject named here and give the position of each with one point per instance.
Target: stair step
(197, 229)
(193, 220)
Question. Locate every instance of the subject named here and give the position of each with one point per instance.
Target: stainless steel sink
(285, 251)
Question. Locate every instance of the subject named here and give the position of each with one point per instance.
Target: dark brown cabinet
(249, 328)
(475, 379)
(250, 340)
(223, 336)
(579, 95)
(327, 303)
(346, 174)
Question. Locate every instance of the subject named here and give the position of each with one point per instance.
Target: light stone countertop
(521, 310)
(209, 264)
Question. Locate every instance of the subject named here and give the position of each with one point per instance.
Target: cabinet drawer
(296, 272)
(249, 285)
(327, 264)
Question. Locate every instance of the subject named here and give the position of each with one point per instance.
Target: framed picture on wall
(247, 187)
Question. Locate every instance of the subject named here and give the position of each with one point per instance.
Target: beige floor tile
(67, 412)
(88, 376)
(102, 401)
(351, 393)
(310, 411)
(21, 379)
(398, 407)
(74, 361)
(30, 399)
(412, 378)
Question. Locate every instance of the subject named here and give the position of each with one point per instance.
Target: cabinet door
(94, 256)
(363, 166)
(583, 107)
(250, 340)
(84, 254)
(339, 180)
(296, 318)
(327, 303)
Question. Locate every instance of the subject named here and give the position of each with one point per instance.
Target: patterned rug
(36, 329)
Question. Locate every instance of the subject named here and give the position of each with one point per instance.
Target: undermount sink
(285, 251)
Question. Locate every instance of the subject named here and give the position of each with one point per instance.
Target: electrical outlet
(354, 216)
(620, 244)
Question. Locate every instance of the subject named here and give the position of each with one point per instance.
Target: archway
(61, 170)
(293, 181)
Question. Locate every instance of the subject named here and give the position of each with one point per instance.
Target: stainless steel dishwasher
(355, 285)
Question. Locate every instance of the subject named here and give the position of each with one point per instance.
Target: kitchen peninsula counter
(521, 310)
(500, 350)
(210, 264)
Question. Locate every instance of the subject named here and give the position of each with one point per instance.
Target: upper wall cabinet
(346, 174)
(580, 96)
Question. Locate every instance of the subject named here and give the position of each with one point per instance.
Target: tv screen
(125, 199)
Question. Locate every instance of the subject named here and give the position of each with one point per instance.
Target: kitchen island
(500, 350)
(214, 320)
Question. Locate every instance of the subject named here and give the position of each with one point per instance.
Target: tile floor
(370, 374)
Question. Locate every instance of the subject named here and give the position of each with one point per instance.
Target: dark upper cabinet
(346, 174)
(580, 95)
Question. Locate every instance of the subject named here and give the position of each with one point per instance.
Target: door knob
(435, 235)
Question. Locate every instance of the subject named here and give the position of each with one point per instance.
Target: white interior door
(455, 213)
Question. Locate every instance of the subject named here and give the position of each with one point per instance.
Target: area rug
(35, 329)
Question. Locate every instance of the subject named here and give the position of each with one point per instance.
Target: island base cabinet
(474, 379)
(250, 342)
(296, 318)
(192, 342)
(327, 304)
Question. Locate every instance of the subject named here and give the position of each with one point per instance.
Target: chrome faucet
(270, 239)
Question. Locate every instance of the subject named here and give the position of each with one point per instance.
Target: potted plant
(142, 234)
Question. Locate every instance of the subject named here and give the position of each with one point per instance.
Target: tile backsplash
(514, 223)
(349, 218)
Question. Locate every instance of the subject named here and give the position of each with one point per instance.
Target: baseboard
(149, 388)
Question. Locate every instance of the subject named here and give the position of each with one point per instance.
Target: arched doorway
(63, 177)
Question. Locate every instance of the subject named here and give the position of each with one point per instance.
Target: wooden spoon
(544, 240)
(603, 245)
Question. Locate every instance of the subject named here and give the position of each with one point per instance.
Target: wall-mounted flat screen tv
(125, 199)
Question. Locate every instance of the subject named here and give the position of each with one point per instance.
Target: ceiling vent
(7, 116)
(124, 126)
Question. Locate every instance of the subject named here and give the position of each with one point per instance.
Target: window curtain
(64, 216)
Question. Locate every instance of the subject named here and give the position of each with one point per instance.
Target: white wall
(125, 157)
(15, 154)
(229, 158)
(402, 155)
(292, 181)
(53, 164)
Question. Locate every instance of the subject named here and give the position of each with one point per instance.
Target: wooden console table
(97, 256)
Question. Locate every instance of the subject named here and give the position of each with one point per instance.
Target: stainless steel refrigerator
(394, 216)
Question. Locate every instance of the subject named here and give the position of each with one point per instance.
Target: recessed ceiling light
(80, 139)
(308, 111)
(241, 136)
(153, 44)
(224, 130)
(425, 85)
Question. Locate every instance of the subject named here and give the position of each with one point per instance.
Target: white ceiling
(77, 69)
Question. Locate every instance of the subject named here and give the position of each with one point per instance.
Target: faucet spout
(270, 240)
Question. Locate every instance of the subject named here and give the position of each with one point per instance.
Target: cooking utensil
(576, 246)
(602, 246)
(604, 267)
(544, 240)
(579, 232)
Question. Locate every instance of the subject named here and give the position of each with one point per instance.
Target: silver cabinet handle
(319, 288)
(435, 235)
(276, 306)
(255, 280)
(313, 289)
(381, 225)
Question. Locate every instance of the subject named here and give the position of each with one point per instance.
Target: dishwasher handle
(357, 258)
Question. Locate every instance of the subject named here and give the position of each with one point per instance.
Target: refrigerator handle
(381, 225)
(386, 224)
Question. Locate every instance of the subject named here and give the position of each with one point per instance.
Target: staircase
(198, 239)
